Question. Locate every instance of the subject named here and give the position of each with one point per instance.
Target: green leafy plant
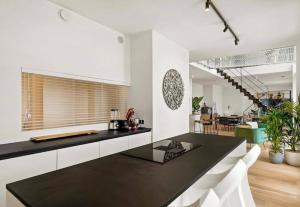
(263, 119)
(292, 123)
(274, 128)
(196, 103)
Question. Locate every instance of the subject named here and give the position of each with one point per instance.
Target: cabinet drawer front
(74, 155)
(138, 140)
(112, 146)
(19, 168)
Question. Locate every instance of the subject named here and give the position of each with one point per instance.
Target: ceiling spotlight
(236, 41)
(226, 28)
(207, 5)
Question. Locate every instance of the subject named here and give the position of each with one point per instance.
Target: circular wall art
(173, 89)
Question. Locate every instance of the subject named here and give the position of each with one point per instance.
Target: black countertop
(17, 149)
(119, 180)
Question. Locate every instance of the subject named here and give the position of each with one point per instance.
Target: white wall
(140, 93)
(197, 90)
(152, 55)
(213, 96)
(169, 55)
(298, 68)
(217, 99)
(33, 36)
(208, 95)
(236, 100)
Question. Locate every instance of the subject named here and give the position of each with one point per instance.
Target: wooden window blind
(52, 102)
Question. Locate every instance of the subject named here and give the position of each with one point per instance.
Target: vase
(292, 157)
(276, 158)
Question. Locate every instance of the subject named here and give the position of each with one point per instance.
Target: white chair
(228, 187)
(227, 163)
(208, 199)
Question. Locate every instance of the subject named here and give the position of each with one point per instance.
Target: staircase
(239, 85)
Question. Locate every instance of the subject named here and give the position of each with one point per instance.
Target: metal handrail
(255, 78)
(261, 90)
(241, 79)
(245, 77)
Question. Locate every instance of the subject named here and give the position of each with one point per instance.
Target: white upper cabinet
(74, 155)
(20, 168)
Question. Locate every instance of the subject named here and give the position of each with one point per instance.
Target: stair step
(251, 97)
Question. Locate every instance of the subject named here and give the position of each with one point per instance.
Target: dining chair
(207, 199)
(228, 189)
(227, 163)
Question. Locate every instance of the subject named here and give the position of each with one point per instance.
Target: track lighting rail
(209, 4)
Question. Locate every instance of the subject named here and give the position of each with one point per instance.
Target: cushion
(253, 125)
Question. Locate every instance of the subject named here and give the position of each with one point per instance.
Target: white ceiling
(260, 24)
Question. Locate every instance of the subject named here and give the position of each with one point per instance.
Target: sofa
(253, 132)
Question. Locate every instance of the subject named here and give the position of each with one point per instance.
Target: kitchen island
(120, 180)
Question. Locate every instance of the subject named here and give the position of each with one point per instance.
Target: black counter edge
(61, 146)
(16, 196)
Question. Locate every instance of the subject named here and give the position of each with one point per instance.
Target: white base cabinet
(20, 168)
(112, 146)
(74, 155)
(138, 140)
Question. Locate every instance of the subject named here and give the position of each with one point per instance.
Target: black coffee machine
(115, 122)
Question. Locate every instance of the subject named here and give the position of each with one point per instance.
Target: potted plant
(196, 103)
(274, 131)
(292, 137)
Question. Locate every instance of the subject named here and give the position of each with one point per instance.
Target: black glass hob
(162, 151)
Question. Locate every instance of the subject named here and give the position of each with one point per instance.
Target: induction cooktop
(162, 151)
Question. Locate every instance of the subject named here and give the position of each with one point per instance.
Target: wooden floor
(273, 185)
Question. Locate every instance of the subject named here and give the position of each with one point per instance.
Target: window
(51, 102)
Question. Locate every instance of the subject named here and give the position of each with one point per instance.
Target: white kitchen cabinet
(12, 201)
(74, 155)
(138, 140)
(112, 146)
(23, 167)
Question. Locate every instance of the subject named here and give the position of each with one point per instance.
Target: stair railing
(249, 82)
(235, 76)
(256, 79)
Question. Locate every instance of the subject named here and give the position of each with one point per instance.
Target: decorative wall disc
(173, 89)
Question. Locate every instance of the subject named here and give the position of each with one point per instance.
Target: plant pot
(276, 158)
(292, 158)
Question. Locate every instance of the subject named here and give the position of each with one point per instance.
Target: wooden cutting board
(62, 135)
